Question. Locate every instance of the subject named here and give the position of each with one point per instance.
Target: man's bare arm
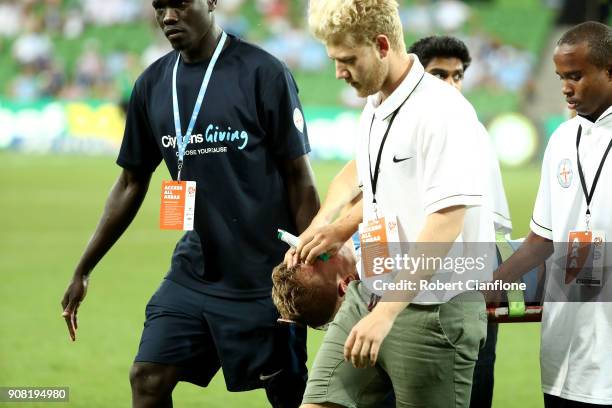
(343, 190)
(321, 236)
(121, 207)
(330, 238)
(441, 229)
(364, 341)
(303, 196)
(532, 252)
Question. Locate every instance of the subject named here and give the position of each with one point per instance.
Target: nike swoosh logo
(396, 160)
(267, 377)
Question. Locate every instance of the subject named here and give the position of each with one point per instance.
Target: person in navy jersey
(247, 153)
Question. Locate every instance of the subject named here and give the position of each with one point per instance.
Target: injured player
(311, 294)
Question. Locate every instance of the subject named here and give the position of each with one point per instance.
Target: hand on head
(312, 293)
(314, 242)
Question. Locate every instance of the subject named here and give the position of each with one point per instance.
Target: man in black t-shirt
(247, 152)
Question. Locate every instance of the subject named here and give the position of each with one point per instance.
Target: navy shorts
(201, 333)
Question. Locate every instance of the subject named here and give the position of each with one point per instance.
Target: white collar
(602, 120)
(606, 116)
(400, 94)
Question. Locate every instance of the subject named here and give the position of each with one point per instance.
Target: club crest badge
(565, 174)
(298, 120)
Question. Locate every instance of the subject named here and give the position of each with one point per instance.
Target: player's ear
(342, 288)
(383, 45)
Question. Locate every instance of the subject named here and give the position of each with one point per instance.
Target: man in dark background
(247, 154)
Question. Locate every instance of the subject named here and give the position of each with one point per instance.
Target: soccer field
(49, 208)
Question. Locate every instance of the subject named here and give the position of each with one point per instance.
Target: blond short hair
(359, 21)
(301, 303)
(286, 288)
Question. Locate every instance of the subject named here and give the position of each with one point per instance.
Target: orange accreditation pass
(177, 205)
(379, 238)
(585, 256)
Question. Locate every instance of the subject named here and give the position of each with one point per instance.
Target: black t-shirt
(251, 120)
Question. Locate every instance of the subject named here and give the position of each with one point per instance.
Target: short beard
(374, 79)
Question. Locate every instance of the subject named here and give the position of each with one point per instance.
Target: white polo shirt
(576, 345)
(432, 159)
(495, 186)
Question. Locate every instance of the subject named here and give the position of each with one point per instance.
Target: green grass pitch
(50, 206)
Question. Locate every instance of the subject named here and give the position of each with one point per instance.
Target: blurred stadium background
(66, 70)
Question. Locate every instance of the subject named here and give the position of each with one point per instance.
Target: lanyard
(589, 195)
(374, 176)
(183, 140)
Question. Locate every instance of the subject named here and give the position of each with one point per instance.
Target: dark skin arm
(533, 252)
(121, 207)
(303, 196)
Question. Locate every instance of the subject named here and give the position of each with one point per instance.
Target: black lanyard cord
(589, 195)
(374, 177)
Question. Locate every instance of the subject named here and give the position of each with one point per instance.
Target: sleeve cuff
(121, 162)
(502, 223)
(540, 230)
(297, 151)
(450, 201)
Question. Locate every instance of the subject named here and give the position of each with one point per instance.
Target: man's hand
(321, 237)
(291, 259)
(366, 337)
(315, 241)
(75, 293)
(328, 238)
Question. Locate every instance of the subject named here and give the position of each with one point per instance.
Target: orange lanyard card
(177, 205)
(377, 236)
(585, 258)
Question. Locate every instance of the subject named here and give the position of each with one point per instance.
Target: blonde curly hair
(285, 289)
(356, 21)
(300, 303)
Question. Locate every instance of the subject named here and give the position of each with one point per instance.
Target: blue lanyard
(183, 140)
